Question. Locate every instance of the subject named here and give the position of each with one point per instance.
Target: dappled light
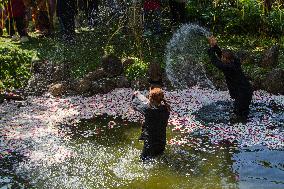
(118, 94)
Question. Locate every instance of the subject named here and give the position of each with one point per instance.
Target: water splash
(185, 54)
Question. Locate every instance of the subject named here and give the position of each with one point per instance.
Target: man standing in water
(239, 87)
(156, 113)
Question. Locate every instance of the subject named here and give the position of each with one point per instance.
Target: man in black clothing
(239, 87)
(156, 113)
(66, 12)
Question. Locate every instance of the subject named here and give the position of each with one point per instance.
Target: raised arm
(140, 102)
(213, 52)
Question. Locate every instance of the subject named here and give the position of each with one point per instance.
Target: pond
(103, 151)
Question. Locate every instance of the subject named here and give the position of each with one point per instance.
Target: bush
(136, 70)
(237, 17)
(14, 68)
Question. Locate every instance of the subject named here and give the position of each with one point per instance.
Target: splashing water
(36, 150)
(184, 57)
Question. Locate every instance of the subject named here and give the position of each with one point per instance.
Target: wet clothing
(154, 128)
(239, 87)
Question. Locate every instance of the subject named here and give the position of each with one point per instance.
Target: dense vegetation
(254, 17)
(243, 24)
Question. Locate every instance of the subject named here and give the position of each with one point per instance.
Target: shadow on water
(8, 176)
(221, 112)
(257, 166)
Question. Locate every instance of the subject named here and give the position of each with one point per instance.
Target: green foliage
(237, 17)
(275, 22)
(14, 67)
(136, 70)
(255, 72)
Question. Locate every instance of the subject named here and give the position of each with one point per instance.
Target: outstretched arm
(213, 52)
(140, 102)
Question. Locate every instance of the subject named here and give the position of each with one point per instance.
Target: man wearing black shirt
(156, 112)
(239, 87)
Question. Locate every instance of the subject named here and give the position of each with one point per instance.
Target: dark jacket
(236, 80)
(156, 121)
(67, 8)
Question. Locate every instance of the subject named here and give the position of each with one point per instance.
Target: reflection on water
(101, 156)
(260, 167)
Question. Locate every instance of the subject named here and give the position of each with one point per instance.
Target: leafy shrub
(136, 70)
(14, 68)
(275, 22)
(237, 17)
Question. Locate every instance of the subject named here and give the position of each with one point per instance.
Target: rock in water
(185, 53)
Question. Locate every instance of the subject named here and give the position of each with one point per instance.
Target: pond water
(104, 152)
(105, 157)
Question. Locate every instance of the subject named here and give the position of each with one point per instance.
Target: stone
(96, 75)
(41, 79)
(62, 72)
(270, 57)
(37, 85)
(112, 65)
(42, 67)
(103, 86)
(82, 86)
(121, 82)
(10, 96)
(58, 89)
(127, 63)
(274, 82)
(140, 83)
(245, 57)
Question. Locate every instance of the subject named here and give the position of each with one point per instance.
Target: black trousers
(178, 12)
(20, 25)
(241, 104)
(151, 151)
